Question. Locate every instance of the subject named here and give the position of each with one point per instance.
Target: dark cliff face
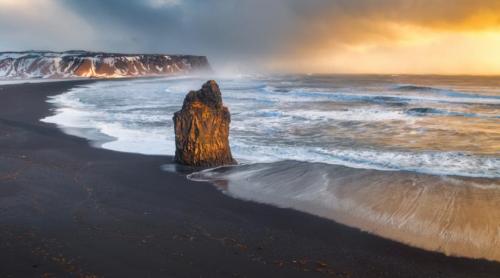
(72, 64)
(202, 129)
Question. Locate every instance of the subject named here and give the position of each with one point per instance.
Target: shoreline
(69, 208)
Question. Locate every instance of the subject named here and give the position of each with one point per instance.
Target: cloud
(41, 24)
(295, 35)
(164, 3)
(350, 22)
(395, 36)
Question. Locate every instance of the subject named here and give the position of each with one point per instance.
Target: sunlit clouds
(447, 37)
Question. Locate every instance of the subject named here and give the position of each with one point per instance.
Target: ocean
(411, 158)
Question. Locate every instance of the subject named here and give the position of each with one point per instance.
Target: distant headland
(79, 63)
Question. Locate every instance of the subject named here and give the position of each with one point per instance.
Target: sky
(307, 36)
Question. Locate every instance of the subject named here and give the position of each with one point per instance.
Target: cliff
(72, 64)
(202, 129)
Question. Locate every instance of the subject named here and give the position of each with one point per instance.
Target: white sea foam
(141, 141)
(360, 115)
(440, 163)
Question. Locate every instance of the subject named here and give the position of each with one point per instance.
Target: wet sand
(70, 210)
(450, 214)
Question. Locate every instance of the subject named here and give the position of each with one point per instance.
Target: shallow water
(412, 158)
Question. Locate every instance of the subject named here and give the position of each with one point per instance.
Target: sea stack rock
(202, 129)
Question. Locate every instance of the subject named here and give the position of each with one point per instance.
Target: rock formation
(202, 129)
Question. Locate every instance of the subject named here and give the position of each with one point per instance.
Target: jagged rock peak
(202, 129)
(209, 94)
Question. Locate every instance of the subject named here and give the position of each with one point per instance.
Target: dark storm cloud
(134, 15)
(223, 29)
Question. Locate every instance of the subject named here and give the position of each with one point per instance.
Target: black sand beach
(70, 210)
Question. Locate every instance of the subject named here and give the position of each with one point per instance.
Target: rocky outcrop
(202, 129)
(71, 64)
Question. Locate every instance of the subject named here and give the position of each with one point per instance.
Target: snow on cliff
(71, 64)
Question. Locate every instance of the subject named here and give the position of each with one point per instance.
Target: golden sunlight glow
(472, 53)
(470, 45)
